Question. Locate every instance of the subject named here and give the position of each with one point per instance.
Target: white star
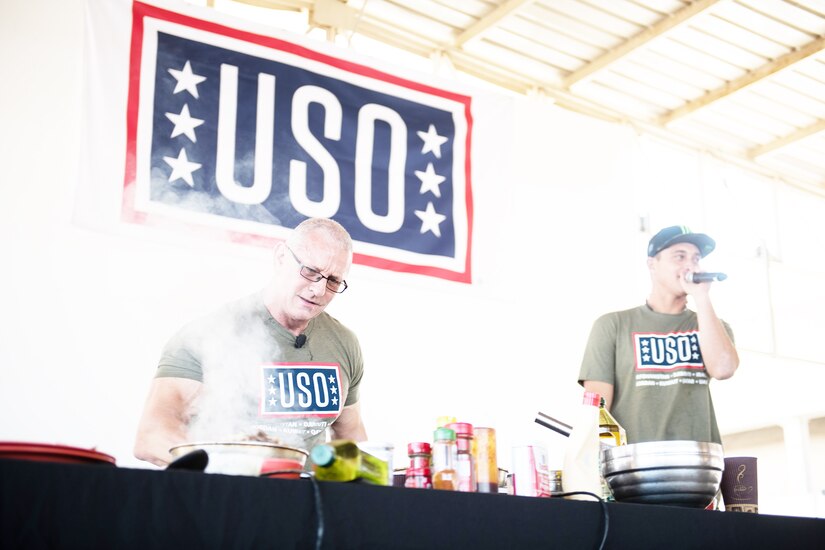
(430, 181)
(182, 168)
(432, 141)
(333, 390)
(331, 379)
(187, 80)
(272, 390)
(272, 402)
(334, 401)
(184, 123)
(271, 379)
(430, 220)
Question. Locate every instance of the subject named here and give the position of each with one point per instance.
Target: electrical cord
(319, 509)
(602, 503)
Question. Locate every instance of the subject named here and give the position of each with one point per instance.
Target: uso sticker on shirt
(301, 389)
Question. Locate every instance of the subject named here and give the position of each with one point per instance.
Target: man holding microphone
(653, 363)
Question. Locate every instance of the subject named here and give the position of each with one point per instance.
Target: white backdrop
(85, 309)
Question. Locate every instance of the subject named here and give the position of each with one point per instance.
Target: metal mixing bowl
(678, 473)
(241, 457)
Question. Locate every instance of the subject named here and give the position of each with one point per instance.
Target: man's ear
(278, 252)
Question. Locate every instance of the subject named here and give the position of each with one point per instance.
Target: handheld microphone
(705, 277)
(300, 340)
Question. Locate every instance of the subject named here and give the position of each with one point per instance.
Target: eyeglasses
(314, 275)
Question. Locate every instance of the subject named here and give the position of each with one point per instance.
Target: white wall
(84, 313)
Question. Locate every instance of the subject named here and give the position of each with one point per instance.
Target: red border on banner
(128, 212)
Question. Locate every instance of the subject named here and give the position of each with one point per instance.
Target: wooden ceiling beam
(795, 56)
(489, 20)
(784, 141)
(668, 23)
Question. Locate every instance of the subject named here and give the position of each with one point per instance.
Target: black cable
(319, 510)
(602, 503)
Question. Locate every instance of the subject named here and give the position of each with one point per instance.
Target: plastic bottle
(486, 460)
(464, 462)
(342, 460)
(419, 473)
(445, 476)
(611, 434)
(581, 457)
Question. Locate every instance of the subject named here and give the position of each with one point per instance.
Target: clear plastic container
(484, 442)
(445, 476)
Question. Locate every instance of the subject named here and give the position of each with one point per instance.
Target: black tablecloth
(50, 505)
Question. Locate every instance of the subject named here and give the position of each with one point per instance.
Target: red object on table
(44, 452)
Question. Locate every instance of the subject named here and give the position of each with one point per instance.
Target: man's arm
(165, 418)
(604, 389)
(718, 352)
(599, 361)
(350, 425)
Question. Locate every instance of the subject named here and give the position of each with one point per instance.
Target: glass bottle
(486, 462)
(465, 463)
(342, 460)
(611, 434)
(419, 473)
(445, 476)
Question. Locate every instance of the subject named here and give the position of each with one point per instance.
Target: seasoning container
(444, 473)
(464, 464)
(556, 486)
(419, 473)
(487, 475)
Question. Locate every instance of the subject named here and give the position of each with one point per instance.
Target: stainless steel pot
(678, 473)
(240, 457)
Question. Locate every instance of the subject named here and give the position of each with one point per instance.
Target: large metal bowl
(241, 457)
(677, 473)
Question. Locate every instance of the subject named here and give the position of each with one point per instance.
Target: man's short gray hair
(331, 228)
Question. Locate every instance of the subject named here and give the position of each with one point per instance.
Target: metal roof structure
(741, 79)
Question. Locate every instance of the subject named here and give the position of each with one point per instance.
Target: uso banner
(247, 134)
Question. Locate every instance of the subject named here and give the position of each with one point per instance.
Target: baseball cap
(679, 234)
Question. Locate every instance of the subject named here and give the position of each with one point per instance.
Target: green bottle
(343, 460)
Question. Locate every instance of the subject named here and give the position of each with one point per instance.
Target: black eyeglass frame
(314, 275)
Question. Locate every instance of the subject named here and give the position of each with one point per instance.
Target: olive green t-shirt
(256, 379)
(654, 362)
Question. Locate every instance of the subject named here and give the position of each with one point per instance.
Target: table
(55, 505)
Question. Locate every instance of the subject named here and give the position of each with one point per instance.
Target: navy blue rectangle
(300, 390)
(201, 193)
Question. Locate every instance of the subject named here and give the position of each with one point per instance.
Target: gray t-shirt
(654, 361)
(256, 379)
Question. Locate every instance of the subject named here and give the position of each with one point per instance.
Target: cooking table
(55, 505)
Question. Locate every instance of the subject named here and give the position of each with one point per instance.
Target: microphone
(300, 340)
(705, 277)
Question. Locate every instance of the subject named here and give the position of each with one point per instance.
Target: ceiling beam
(489, 20)
(802, 133)
(639, 40)
(795, 56)
(287, 5)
